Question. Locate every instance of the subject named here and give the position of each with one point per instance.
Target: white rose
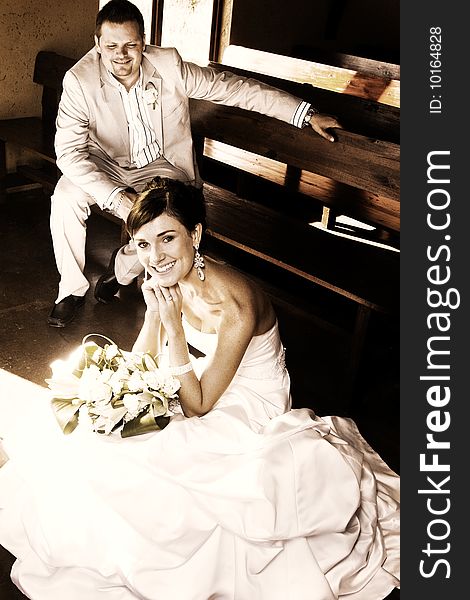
(92, 388)
(153, 379)
(132, 404)
(151, 96)
(135, 382)
(170, 386)
(111, 352)
(119, 380)
(135, 403)
(162, 382)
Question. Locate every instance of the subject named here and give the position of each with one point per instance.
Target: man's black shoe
(64, 311)
(107, 285)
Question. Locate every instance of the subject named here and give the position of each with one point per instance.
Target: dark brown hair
(162, 195)
(119, 11)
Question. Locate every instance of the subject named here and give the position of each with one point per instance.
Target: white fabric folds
(251, 501)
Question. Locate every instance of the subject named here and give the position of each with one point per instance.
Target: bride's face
(166, 249)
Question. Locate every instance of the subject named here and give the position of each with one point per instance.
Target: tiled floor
(316, 354)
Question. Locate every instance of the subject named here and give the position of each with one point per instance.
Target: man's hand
(127, 202)
(320, 123)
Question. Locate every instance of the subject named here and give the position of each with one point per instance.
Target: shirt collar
(138, 84)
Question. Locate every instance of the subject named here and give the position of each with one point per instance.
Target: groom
(123, 119)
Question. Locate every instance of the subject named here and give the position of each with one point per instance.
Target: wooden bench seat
(363, 273)
(365, 158)
(365, 163)
(384, 212)
(36, 134)
(28, 132)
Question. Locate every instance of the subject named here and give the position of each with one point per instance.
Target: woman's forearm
(148, 339)
(190, 393)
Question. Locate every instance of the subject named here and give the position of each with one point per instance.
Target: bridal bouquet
(107, 389)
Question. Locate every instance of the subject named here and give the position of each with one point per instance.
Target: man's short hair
(119, 11)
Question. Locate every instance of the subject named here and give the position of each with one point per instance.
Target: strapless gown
(253, 501)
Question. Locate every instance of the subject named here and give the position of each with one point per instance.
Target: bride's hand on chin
(148, 290)
(170, 301)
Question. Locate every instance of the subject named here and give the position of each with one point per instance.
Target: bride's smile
(164, 268)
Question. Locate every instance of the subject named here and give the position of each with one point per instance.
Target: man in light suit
(123, 119)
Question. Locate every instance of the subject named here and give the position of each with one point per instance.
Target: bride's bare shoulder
(243, 297)
(230, 279)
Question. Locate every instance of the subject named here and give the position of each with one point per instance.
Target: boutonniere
(151, 96)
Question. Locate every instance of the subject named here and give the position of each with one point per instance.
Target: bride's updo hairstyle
(168, 196)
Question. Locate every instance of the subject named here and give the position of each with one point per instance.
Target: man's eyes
(113, 46)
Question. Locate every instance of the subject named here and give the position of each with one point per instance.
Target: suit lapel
(153, 80)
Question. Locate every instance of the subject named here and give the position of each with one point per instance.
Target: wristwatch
(308, 115)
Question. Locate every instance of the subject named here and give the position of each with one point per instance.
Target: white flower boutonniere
(151, 97)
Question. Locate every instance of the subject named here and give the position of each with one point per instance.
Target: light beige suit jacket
(92, 122)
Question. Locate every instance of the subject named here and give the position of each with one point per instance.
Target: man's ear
(97, 45)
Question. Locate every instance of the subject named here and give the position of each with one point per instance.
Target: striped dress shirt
(142, 139)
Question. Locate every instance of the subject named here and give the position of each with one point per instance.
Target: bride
(240, 497)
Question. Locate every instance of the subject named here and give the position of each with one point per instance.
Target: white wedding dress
(253, 501)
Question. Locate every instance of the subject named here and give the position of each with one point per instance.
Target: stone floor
(316, 353)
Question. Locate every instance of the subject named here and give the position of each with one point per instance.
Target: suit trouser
(70, 209)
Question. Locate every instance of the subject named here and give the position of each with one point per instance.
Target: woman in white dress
(239, 497)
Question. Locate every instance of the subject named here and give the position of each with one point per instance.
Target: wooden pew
(357, 175)
(36, 134)
(352, 75)
(364, 95)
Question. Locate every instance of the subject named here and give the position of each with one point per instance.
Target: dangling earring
(199, 263)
